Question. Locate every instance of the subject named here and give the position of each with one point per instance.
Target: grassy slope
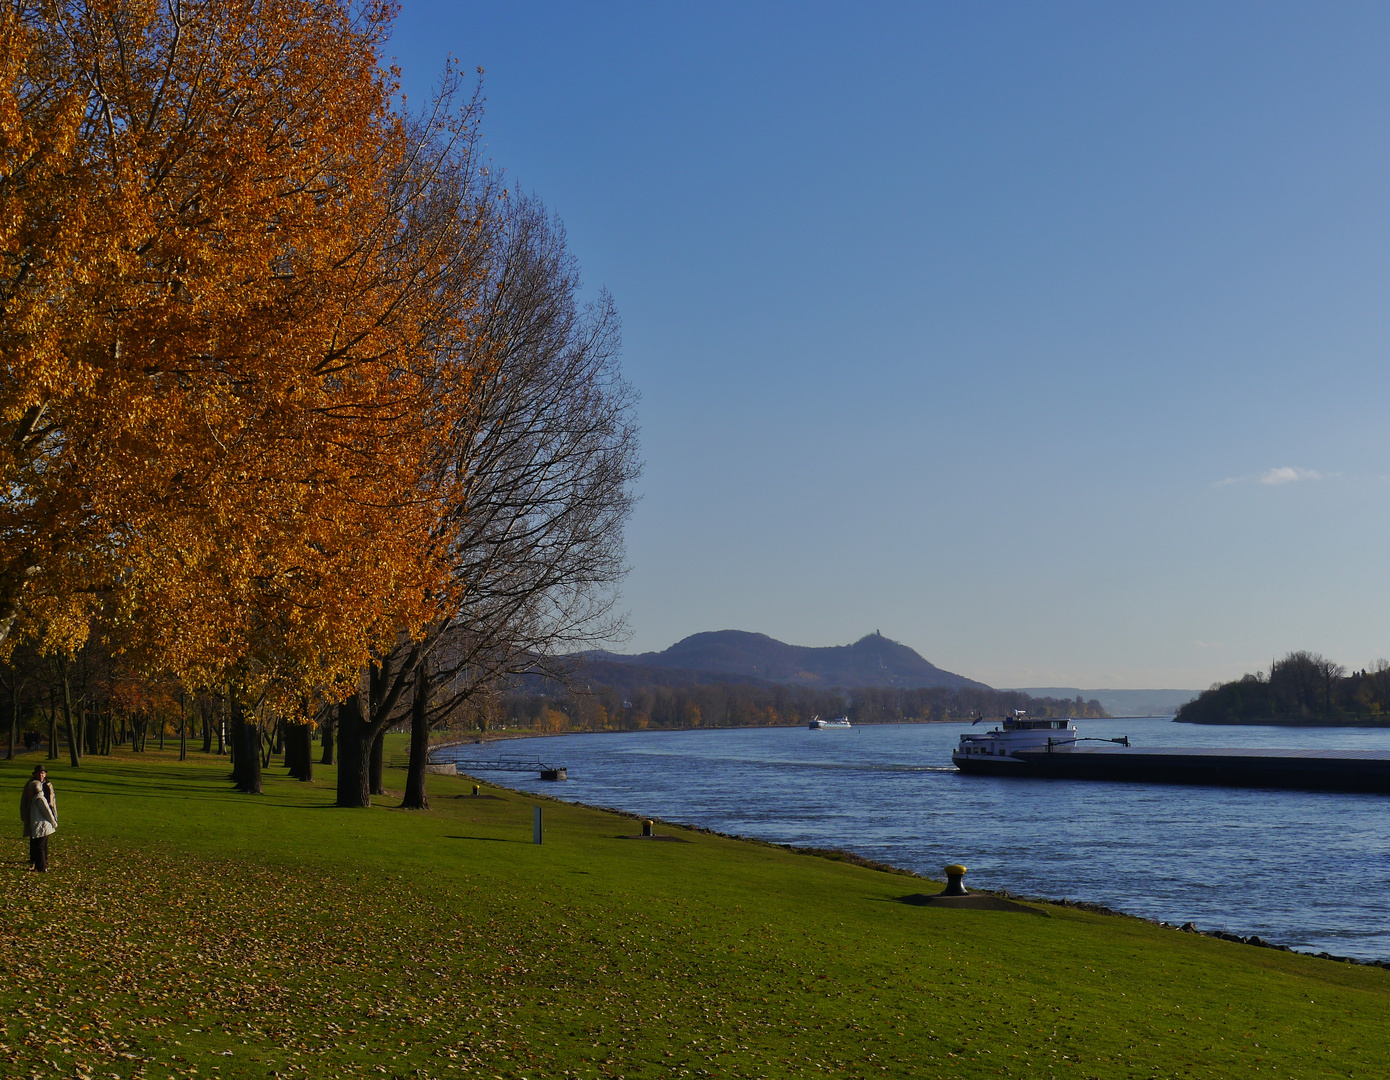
(187, 930)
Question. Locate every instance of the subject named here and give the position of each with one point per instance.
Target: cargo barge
(1052, 750)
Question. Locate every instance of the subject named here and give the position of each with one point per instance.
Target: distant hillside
(1121, 702)
(735, 655)
(601, 669)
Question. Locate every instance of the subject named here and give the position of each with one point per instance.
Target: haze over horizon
(1051, 341)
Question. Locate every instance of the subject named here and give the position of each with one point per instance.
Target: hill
(736, 655)
(601, 691)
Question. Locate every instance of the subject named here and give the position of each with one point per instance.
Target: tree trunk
(183, 734)
(299, 754)
(248, 755)
(415, 796)
(354, 753)
(207, 729)
(305, 735)
(378, 747)
(14, 716)
(326, 734)
(73, 751)
(162, 725)
(52, 723)
(246, 761)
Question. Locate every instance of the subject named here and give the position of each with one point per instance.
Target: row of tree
(753, 705)
(90, 702)
(94, 701)
(1303, 687)
(301, 415)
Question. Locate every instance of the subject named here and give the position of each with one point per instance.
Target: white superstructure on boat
(818, 724)
(990, 749)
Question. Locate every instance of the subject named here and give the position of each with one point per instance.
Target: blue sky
(1050, 340)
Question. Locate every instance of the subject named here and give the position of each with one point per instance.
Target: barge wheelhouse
(993, 751)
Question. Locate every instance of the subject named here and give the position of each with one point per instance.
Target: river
(1304, 869)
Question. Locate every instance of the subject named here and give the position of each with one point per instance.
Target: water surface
(1306, 869)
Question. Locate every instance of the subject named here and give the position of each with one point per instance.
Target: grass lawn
(186, 930)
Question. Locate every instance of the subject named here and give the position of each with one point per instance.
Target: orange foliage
(227, 273)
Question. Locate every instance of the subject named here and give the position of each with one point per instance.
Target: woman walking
(38, 809)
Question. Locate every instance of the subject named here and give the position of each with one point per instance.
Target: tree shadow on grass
(492, 839)
(135, 766)
(149, 790)
(196, 789)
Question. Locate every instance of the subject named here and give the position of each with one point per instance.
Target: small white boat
(817, 724)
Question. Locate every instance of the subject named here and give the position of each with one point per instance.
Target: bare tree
(540, 470)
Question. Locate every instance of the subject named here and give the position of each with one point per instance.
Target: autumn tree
(223, 269)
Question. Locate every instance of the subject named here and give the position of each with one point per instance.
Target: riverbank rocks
(1261, 943)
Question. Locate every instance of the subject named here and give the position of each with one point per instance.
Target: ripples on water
(1305, 869)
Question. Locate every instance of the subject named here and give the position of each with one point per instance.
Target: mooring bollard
(477, 790)
(536, 826)
(954, 886)
(647, 828)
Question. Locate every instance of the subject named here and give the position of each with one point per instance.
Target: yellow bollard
(647, 828)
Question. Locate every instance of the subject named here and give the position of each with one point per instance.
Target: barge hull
(1291, 769)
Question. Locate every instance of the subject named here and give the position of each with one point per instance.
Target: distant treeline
(1301, 688)
(751, 705)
